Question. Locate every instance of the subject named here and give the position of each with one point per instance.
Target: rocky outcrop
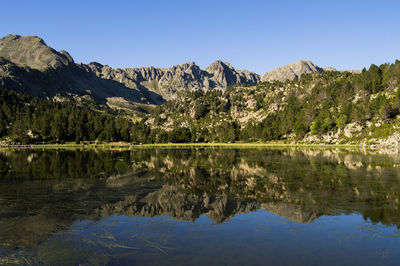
(352, 129)
(292, 71)
(392, 140)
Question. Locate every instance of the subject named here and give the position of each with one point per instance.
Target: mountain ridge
(29, 65)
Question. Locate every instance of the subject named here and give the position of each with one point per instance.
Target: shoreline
(176, 145)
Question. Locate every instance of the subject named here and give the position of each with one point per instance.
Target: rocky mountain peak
(32, 52)
(223, 74)
(291, 71)
(188, 67)
(302, 65)
(219, 66)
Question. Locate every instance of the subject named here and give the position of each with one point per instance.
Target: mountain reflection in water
(45, 192)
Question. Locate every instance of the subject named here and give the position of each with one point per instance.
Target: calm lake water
(199, 206)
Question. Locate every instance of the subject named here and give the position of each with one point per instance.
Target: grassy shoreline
(120, 145)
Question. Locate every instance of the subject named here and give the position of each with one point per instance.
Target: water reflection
(43, 193)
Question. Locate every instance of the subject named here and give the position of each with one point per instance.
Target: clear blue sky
(254, 35)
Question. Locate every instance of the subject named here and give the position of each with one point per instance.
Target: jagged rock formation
(28, 65)
(167, 82)
(292, 71)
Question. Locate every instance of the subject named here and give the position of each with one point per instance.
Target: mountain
(292, 71)
(166, 82)
(28, 65)
(217, 104)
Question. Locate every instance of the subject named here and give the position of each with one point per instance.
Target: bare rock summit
(292, 71)
(223, 75)
(32, 51)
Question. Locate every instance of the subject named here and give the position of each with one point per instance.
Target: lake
(196, 206)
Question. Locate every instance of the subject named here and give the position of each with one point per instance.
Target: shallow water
(199, 206)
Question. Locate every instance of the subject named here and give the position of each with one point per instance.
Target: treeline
(27, 119)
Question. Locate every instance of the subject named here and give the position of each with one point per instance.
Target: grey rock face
(292, 71)
(223, 75)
